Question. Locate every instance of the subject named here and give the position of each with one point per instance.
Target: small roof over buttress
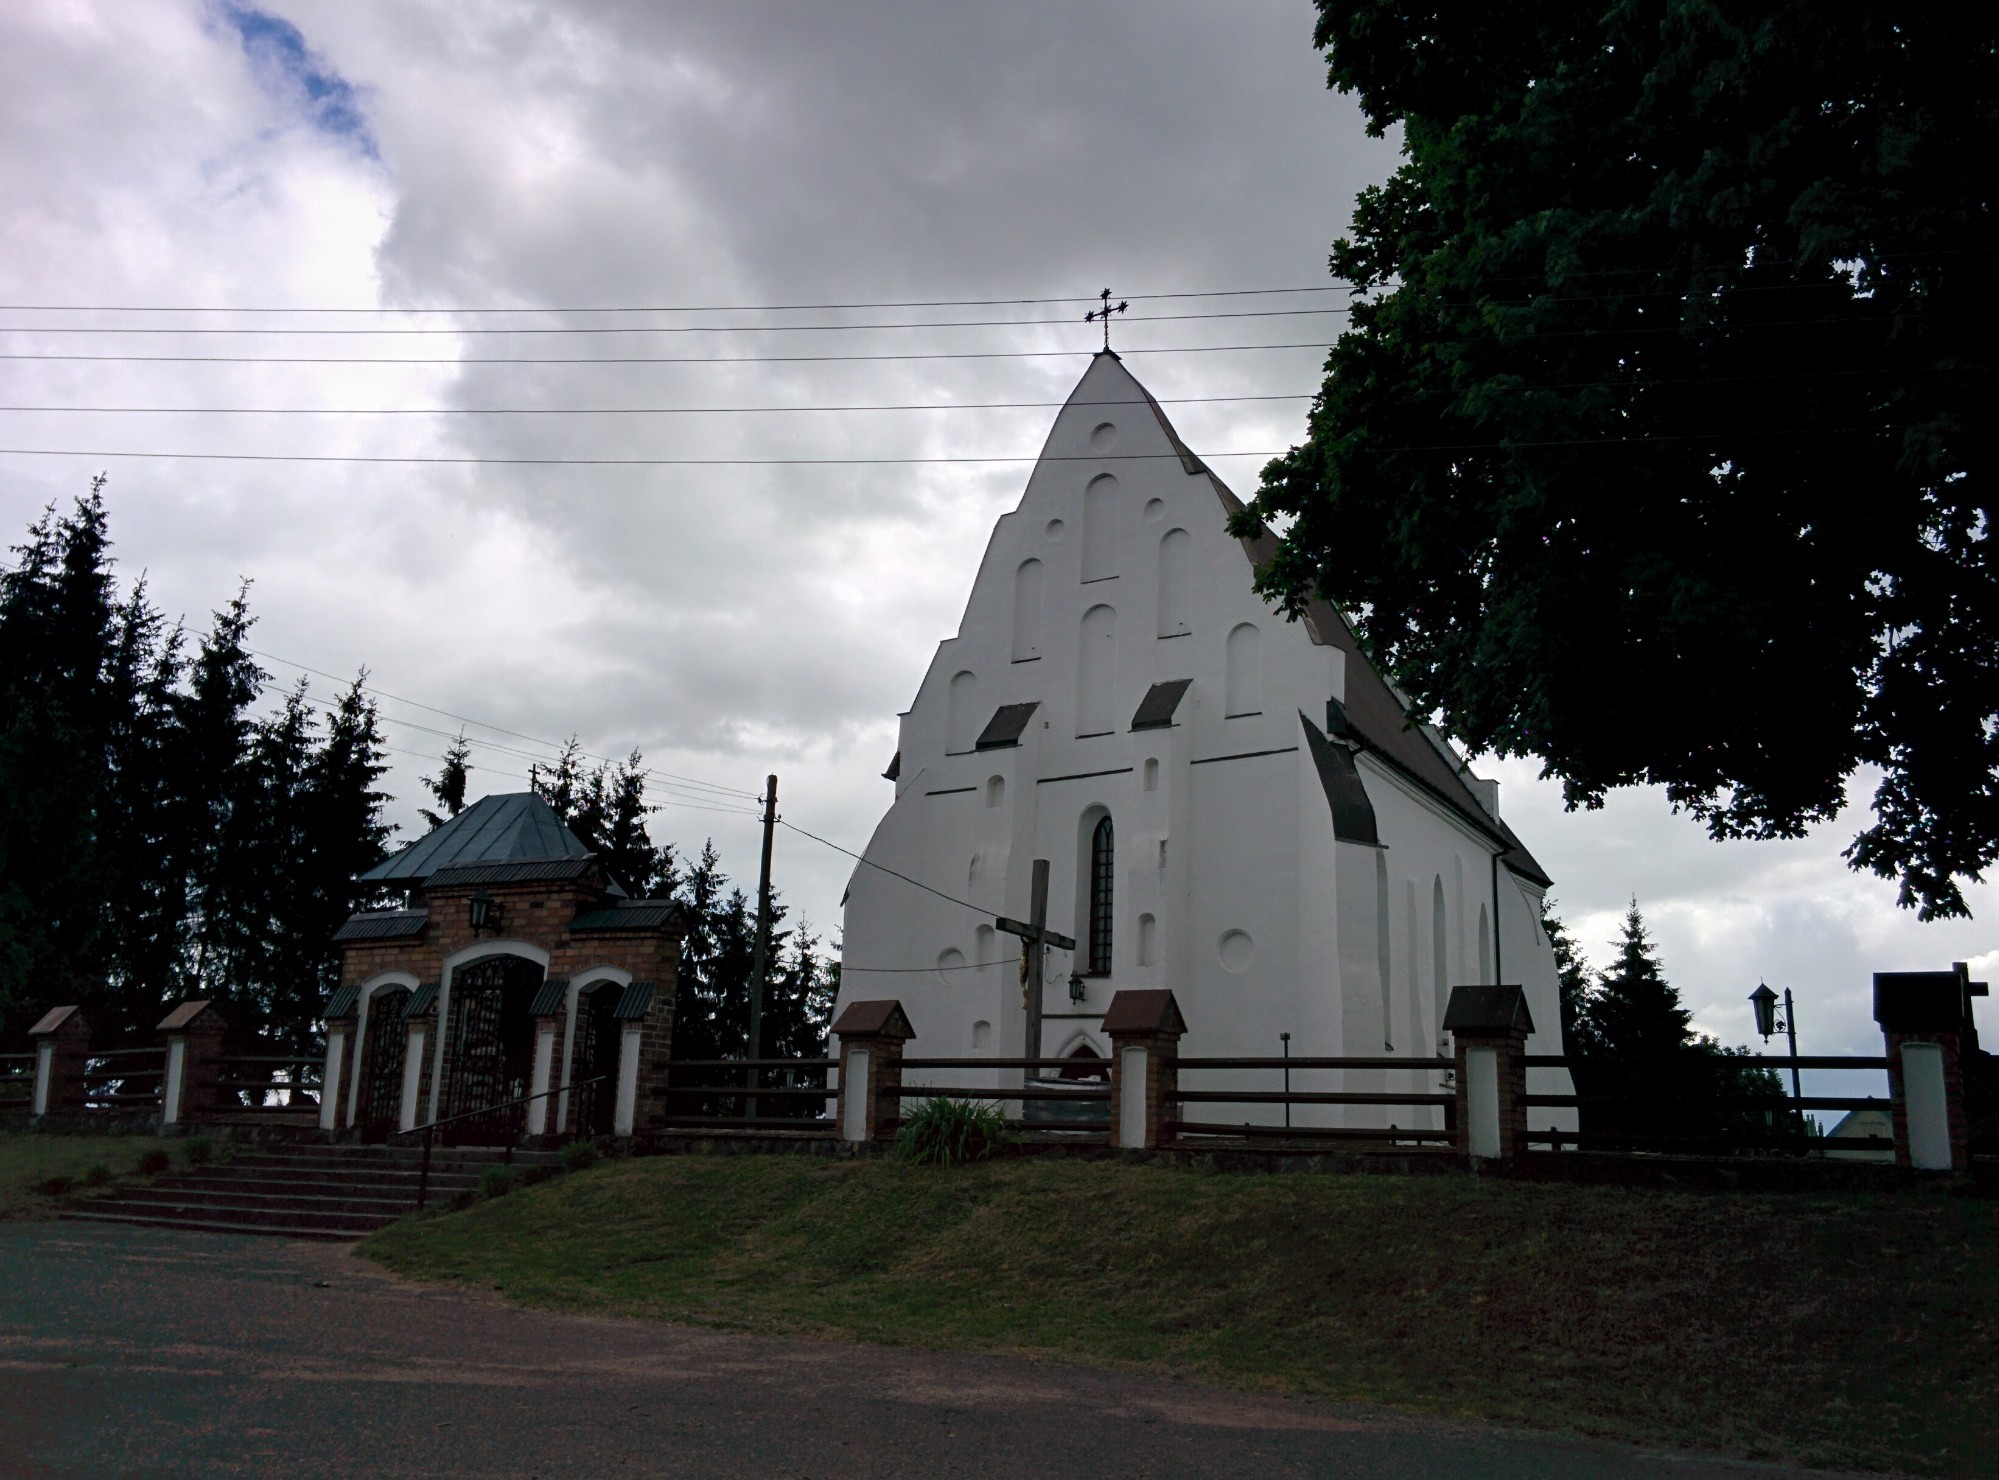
(1486, 1009)
(883, 1019)
(1144, 1010)
(54, 1018)
(184, 1016)
(508, 828)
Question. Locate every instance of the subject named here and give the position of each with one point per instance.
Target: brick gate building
(519, 966)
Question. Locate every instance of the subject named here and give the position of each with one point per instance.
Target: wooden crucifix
(1104, 314)
(1035, 938)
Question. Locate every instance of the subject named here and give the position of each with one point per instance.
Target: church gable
(1113, 577)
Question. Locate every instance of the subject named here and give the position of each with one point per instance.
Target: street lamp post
(1764, 1001)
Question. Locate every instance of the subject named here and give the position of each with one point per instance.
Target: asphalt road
(151, 1353)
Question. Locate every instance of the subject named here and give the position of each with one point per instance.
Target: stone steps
(304, 1191)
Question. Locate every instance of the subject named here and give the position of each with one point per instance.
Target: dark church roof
(510, 828)
(1375, 717)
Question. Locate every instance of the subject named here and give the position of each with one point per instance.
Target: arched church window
(1484, 945)
(1100, 507)
(995, 790)
(1027, 611)
(1103, 868)
(962, 728)
(1245, 672)
(1440, 966)
(1175, 582)
(1096, 672)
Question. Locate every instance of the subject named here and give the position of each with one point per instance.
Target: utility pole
(760, 962)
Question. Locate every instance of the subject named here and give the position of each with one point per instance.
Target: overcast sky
(728, 620)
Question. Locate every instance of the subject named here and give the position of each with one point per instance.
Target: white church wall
(1116, 573)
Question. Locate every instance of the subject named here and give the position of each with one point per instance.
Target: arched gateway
(506, 907)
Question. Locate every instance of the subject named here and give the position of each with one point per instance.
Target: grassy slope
(26, 1161)
(1838, 1329)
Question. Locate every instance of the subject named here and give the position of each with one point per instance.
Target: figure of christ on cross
(1035, 938)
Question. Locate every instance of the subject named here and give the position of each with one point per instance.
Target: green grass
(28, 1161)
(1839, 1329)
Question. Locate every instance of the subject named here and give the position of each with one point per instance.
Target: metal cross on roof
(1104, 314)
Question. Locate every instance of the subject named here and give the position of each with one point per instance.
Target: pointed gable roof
(1376, 717)
(507, 828)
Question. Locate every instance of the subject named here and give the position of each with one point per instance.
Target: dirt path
(148, 1353)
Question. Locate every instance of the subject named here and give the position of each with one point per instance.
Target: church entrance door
(491, 1045)
(381, 1107)
(602, 1039)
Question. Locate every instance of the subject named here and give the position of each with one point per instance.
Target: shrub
(579, 1155)
(196, 1150)
(96, 1175)
(537, 1173)
(55, 1186)
(153, 1162)
(948, 1133)
(498, 1181)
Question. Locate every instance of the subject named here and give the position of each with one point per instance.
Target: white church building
(1232, 804)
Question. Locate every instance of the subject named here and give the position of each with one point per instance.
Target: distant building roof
(498, 829)
(381, 925)
(630, 914)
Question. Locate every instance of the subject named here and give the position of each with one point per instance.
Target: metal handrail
(429, 1128)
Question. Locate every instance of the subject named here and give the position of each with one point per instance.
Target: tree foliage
(159, 837)
(1670, 359)
(1655, 1083)
(606, 807)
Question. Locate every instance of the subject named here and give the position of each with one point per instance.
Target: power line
(549, 745)
(991, 354)
(645, 410)
(599, 462)
(662, 308)
(884, 868)
(912, 970)
(457, 331)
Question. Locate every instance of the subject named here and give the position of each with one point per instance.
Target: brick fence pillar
(1489, 1026)
(1144, 1028)
(194, 1062)
(871, 1036)
(62, 1052)
(1923, 1017)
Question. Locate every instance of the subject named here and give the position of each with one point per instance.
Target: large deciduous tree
(1659, 445)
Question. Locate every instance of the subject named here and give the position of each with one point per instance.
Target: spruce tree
(448, 786)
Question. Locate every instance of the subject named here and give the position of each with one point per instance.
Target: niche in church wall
(963, 724)
(1175, 584)
(1027, 611)
(1096, 673)
(1244, 684)
(1100, 528)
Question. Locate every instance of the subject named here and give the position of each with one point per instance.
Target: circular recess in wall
(1155, 508)
(1055, 528)
(1237, 950)
(951, 966)
(1103, 437)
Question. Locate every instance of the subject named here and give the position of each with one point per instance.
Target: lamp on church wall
(1076, 988)
(485, 912)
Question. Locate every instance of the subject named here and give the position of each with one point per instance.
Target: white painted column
(45, 1063)
(1131, 1096)
(628, 1081)
(329, 1083)
(412, 1078)
(854, 1091)
(1482, 1099)
(544, 1061)
(1926, 1106)
(170, 1100)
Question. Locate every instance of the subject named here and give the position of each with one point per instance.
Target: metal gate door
(491, 1047)
(382, 1073)
(596, 1104)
